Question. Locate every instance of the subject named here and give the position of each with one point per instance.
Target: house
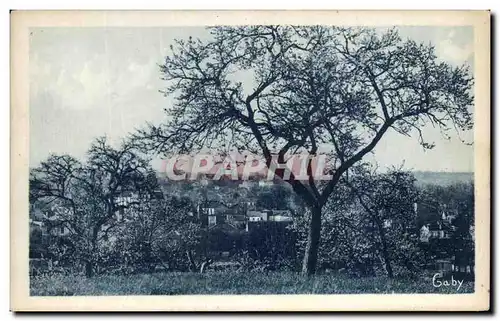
(254, 218)
(442, 265)
(44, 225)
(463, 263)
(236, 220)
(436, 222)
(213, 213)
(280, 216)
(257, 216)
(439, 230)
(454, 264)
(213, 218)
(49, 222)
(425, 233)
(126, 198)
(238, 213)
(251, 205)
(123, 203)
(269, 216)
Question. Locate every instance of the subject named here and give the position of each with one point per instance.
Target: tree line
(273, 90)
(370, 227)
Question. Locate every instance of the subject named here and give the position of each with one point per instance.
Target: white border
(368, 302)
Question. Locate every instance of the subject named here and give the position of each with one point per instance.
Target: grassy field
(229, 283)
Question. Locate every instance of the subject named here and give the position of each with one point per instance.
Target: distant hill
(423, 178)
(443, 178)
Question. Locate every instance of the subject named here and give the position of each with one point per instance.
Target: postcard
(250, 161)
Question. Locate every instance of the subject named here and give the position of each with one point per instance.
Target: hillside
(443, 178)
(423, 178)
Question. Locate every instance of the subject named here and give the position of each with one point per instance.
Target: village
(222, 211)
(252, 159)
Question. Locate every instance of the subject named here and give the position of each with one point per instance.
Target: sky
(90, 82)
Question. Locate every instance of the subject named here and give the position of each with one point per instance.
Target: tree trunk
(192, 264)
(387, 262)
(313, 238)
(89, 268)
(385, 251)
(89, 271)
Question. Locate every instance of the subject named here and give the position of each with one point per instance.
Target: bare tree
(84, 196)
(283, 89)
(388, 202)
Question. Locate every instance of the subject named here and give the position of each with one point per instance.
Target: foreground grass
(230, 283)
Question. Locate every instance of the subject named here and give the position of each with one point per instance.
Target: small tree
(280, 89)
(276, 197)
(388, 204)
(83, 197)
